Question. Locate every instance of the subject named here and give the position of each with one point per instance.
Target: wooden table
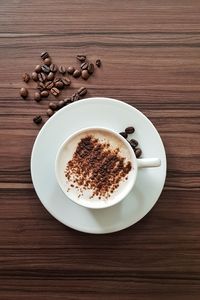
(151, 60)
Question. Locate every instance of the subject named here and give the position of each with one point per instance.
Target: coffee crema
(100, 163)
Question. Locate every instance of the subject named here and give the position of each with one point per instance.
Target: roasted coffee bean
(44, 55)
(50, 76)
(45, 69)
(61, 104)
(72, 98)
(26, 77)
(98, 63)
(44, 94)
(85, 75)
(55, 91)
(50, 112)
(84, 66)
(47, 61)
(59, 85)
(67, 101)
(133, 143)
(129, 130)
(37, 119)
(49, 85)
(24, 93)
(91, 68)
(37, 96)
(77, 73)
(124, 134)
(66, 81)
(38, 69)
(41, 86)
(53, 68)
(138, 152)
(82, 91)
(62, 69)
(34, 76)
(70, 70)
(42, 77)
(76, 96)
(53, 105)
(81, 58)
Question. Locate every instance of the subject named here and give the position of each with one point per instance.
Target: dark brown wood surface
(151, 60)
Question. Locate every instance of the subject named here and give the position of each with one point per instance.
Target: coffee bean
(53, 68)
(37, 96)
(37, 119)
(44, 55)
(82, 91)
(42, 77)
(38, 69)
(44, 94)
(50, 76)
(70, 70)
(85, 75)
(84, 66)
(62, 69)
(53, 105)
(45, 69)
(76, 97)
(61, 104)
(124, 134)
(91, 68)
(98, 63)
(81, 58)
(57, 79)
(49, 85)
(59, 84)
(67, 101)
(77, 73)
(66, 81)
(24, 93)
(138, 152)
(72, 98)
(50, 112)
(34, 76)
(47, 61)
(133, 143)
(129, 130)
(41, 86)
(55, 91)
(26, 77)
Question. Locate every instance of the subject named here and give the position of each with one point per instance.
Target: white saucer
(115, 115)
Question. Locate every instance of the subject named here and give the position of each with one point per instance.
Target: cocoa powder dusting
(97, 167)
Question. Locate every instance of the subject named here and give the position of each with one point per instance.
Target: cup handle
(148, 162)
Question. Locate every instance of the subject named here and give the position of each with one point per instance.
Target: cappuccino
(97, 165)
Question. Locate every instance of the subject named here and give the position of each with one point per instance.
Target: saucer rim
(50, 210)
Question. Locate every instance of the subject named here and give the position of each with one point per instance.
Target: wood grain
(151, 60)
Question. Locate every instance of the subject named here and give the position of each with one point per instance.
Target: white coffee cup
(66, 151)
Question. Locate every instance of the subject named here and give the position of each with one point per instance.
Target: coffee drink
(96, 165)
